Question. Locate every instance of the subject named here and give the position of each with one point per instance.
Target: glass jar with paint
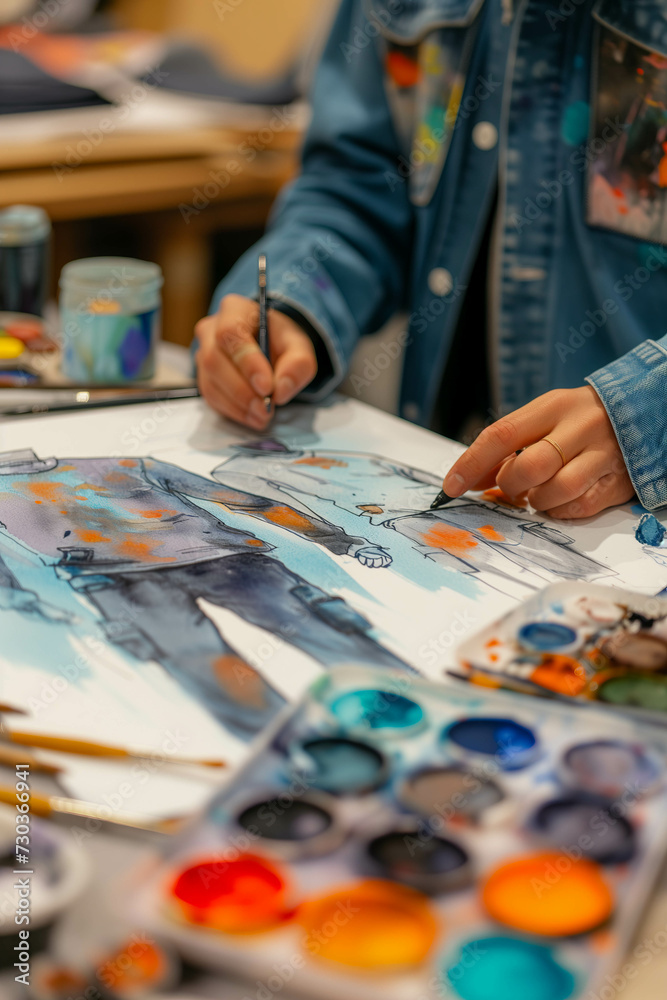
(25, 233)
(110, 311)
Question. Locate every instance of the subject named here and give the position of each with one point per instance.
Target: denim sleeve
(633, 390)
(339, 238)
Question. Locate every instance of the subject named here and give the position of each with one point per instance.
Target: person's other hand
(233, 374)
(594, 475)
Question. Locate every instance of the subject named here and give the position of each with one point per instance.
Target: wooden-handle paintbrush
(86, 749)
(11, 758)
(50, 805)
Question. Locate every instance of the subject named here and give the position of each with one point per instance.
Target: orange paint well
(548, 894)
(560, 674)
(455, 540)
(387, 927)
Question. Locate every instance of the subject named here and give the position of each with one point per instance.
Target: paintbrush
(48, 805)
(85, 749)
(12, 758)
(10, 708)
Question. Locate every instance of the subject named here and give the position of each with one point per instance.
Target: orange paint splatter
(321, 463)
(560, 674)
(44, 490)
(454, 540)
(128, 463)
(156, 513)
(141, 551)
(490, 532)
(66, 468)
(90, 537)
(91, 486)
(370, 508)
(254, 541)
(238, 679)
(492, 642)
(287, 518)
(38, 501)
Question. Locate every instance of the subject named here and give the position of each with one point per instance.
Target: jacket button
(485, 135)
(440, 281)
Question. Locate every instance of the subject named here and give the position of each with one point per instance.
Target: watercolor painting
(168, 580)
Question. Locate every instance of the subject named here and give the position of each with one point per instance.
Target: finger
(609, 491)
(228, 378)
(578, 476)
(295, 367)
(236, 335)
(537, 464)
(496, 442)
(215, 395)
(489, 480)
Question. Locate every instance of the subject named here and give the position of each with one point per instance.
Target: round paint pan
(416, 857)
(548, 895)
(588, 823)
(291, 825)
(247, 895)
(378, 711)
(510, 744)
(449, 792)
(547, 637)
(504, 968)
(637, 650)
(611, 768)
(376, 925)
(341, 766)
(634, 690)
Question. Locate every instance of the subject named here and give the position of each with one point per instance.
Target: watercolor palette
(392, 838)
(581, 643)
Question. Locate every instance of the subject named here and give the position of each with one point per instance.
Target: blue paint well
(512, 744)
(505, 968)
(375, 709)
(649, 531)
(547, 636)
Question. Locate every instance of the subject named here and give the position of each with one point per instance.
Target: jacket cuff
(633, 391)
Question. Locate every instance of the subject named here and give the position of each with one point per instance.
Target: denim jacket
(424, 111)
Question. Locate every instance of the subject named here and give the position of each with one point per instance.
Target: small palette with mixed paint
(25, 349)
(402, 839)
(582, 642)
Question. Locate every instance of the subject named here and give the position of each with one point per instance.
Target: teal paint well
(505, 968)
(344, 767)
(375, 709)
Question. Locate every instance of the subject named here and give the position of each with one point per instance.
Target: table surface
(97, 917)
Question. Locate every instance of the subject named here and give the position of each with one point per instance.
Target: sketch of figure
(349, 488)
(127, 535)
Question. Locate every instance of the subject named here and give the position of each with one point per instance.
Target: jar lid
(23, 224)
(113, 273)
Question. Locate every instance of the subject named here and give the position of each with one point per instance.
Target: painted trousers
(153, 614)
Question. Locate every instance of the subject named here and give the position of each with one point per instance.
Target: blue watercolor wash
(511, 743)
(547, 636)
(505, 968)
(375, 709)
(649, 531)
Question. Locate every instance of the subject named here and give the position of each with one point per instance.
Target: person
(465, 152)
(128, 536)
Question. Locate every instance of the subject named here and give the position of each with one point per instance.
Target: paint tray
(392, 839)
(579, 642)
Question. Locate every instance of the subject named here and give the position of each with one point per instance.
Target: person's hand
(594, 475)
(233, 374)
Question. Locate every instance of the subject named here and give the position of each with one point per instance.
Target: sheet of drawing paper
(168, 581)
